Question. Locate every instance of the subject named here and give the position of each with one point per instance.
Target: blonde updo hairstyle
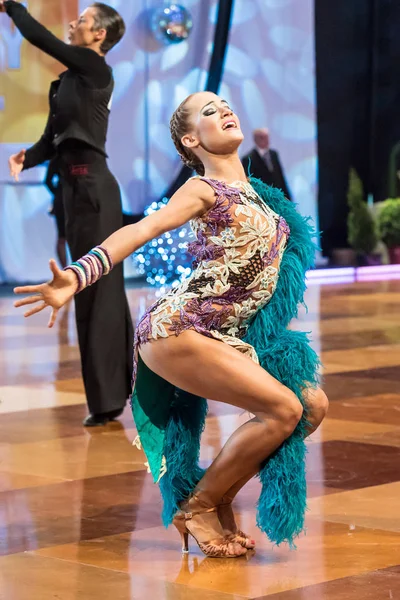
(179, 126)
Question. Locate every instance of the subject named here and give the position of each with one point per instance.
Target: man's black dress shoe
(102, 418)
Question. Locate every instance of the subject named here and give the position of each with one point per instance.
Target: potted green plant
(361, 226)
(389, 227)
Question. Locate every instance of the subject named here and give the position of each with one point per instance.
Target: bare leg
(317, 403)
(214, 370)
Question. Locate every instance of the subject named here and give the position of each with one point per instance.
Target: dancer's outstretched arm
(76, 58)
(82, 60)
(191, 200)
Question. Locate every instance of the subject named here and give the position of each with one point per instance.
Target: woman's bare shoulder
(196, 187)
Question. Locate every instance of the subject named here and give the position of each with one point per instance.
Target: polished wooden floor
(80, 517)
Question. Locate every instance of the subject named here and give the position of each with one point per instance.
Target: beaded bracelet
(91, 267)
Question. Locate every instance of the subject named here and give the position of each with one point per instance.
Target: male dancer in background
(76, 132)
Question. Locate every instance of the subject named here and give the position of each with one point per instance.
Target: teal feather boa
(181, 451)
(287, 356)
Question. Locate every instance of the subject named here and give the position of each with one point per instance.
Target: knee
(317, 406)
(289, 414)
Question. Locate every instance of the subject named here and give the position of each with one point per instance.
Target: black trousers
(93, 211)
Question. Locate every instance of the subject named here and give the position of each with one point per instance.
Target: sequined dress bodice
(237, 252)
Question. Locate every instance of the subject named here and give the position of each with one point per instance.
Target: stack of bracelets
(91, 267)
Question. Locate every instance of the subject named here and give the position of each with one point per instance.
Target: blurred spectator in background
(263, 163)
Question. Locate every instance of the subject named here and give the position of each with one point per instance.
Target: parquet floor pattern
(80, 516)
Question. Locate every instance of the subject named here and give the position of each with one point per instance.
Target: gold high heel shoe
(220, 547)
(239, 536)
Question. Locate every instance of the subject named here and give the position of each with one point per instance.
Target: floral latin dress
(237, 253)
(238, 249)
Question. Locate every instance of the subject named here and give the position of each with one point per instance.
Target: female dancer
(222, 334)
